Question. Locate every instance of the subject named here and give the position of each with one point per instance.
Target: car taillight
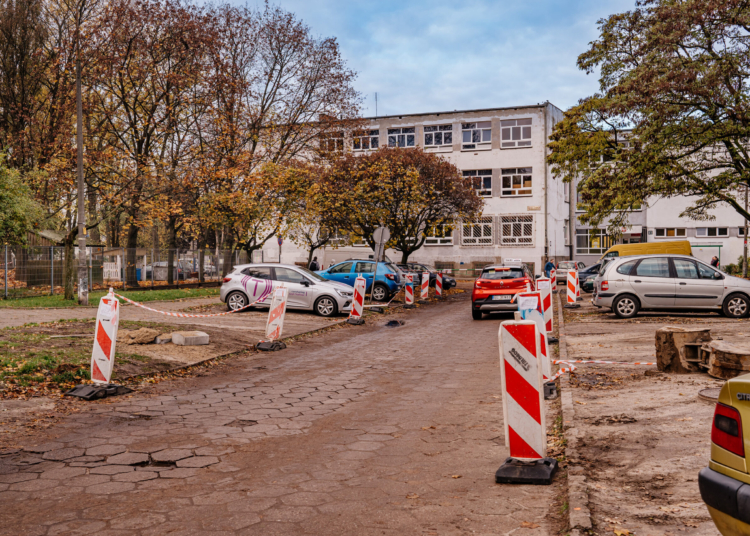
(726, 431)
(392, 277)
(477, 284)
(605, 285)
(227, 279)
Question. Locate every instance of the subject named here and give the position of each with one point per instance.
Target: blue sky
(438, 55)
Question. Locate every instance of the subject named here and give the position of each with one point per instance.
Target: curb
(578, 497)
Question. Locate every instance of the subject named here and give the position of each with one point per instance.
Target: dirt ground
(643, 435)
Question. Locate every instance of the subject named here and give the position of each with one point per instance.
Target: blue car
(383, 279)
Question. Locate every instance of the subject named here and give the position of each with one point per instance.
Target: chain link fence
(39, 270)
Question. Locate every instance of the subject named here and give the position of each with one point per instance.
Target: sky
(437, 55)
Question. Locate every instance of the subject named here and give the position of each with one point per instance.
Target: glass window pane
(438, 138)
(679, 232)
(670, 232)
(685, 269)
(475, 136)
(524, 170)
(468, 126)
(524, 122)
(527, 181)
(394, 131)
(357, 143)
(288, 275)
(706, 272)
(258, 273)
(374, 132)
(654, 267)
(446, 127)
(410, 138)
(712, 231)
(506, 181)
(660, 232)
(516, 133)
(343, 268)
(392, 141)
(428, 139)
(510, 171)
(508, 123)
(721, 231)
(365, 143)
(448, 138)
(467, 136)
(487, 135)
(430, 129)
(526, 133)
(487, 182)
(401, 140)
(516, 181)
(365, 268)
(506, 133)
(700, 231)
(409, 130)
(374, 142)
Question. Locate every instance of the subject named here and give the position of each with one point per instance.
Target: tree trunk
(69, 268)
(172, 245)
(94, 234)
(131, 257)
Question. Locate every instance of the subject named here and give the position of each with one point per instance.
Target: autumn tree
(409, 191)
(672, 117)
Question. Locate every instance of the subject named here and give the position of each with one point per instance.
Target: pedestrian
(549, 267)
(715, 261)
(314, 266)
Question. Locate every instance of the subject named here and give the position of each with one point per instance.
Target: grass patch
(59, 300)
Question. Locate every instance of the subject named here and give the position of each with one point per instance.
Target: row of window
(514, 133)
(700, 232)
(659, 267)
(514, 182)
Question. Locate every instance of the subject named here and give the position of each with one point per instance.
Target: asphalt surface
(363, 430)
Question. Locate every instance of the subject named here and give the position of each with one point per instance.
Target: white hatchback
(248, 283)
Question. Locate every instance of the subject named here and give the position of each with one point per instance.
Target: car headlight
(344, 293)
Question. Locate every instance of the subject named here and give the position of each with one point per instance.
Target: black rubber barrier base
(552, 340)
(409, 306)
(550, 391)
(97, 391)
(270, 346)
(423, 302)
(377, 309)
(356, 321)
(572, 306)
(518, 472)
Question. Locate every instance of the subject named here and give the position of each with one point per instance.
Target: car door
(697, 284)
(366, 270)
(300, 290)
(258, 272)
(341, 273)
(652, 281)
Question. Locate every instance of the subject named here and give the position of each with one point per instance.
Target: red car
(496, 288)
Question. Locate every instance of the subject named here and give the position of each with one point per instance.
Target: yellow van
(677, 247)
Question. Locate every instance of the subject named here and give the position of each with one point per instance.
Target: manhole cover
(394, 323)
(710, 395)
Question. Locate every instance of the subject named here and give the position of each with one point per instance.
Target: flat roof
(540, 105)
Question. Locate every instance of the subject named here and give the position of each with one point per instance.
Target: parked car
(497, 286)
(587, 276)
(562, 270)
(307, 290)
(181, 270)
(418, 269)
(383, 279)
(630, 284)
(725, 483)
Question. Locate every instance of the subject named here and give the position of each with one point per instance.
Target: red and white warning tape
(571, 367)
(184, 315)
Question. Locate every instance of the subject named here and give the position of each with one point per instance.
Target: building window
(478, 233)
(437, 136)
(517, 230)
(401, 137)
(366, 139)
(482, 181)
(476, 135)
(332, 142)
(741, 231)
(440, 235)
(592, 241)
(711, 231)
(566, 233)
(669, 232)
(515, 133)
(516, 182)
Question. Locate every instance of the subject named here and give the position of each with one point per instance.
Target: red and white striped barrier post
(544, 285)
(425, 294)
(571, 289)
(578, 286)
(439, 285)
(523, 406)
(105, 339)
(553, 279)
(409, 293)
(358, 302)
(531, 308)
(275, 322)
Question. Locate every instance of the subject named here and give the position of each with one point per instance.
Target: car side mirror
(717, 275)
(305, 283)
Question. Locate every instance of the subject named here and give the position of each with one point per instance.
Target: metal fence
(39, 270)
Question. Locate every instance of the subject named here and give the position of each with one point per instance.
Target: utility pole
(83, 276)
(744, 253)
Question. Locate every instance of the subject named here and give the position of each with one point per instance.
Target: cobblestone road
(366, 430)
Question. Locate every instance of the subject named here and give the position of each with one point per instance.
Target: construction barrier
(409, 295)
(572, 285)
(425, 285)
(553, 279)
(530, 308)
(439, 285)
(105, 339)
(544, 286)
(523, 400)
(578, 286)
(276, 314)
(358, 301)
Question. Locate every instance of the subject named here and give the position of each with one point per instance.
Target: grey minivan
(630, 284)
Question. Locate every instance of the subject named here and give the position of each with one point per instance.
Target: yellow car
(725, 483)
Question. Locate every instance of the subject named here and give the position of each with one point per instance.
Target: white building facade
(504, 150)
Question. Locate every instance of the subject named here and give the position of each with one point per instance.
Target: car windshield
(393, 267)
(502, 273)
(566, 264)
(312, 275)
(605, 262)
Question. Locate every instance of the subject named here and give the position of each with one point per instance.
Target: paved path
(365, 430)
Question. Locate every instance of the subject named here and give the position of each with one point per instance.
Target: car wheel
(326, 306)
(380, 293)
(236, 300)
(476, 314)
(626, 306)
(736, 306)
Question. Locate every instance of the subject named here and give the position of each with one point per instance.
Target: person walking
(715, 261)
(549, 267)
(314, 266)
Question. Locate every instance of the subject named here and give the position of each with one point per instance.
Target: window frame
(403, 132)
(480, 127)
(484, 222)
(522, 142)
(716, 230)
(441, 130)
(666, 231)
(336, 138)
(606, 241)
(513, 240)
(480, 174)
(366, 134)
(522, 173)
(434, 240)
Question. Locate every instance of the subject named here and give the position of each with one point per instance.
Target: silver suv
(629, 284)
(307, 290)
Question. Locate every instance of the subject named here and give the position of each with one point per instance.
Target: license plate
(502, 297)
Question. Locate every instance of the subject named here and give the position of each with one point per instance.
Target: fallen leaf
(412, 496)
(581, 403)
(456, 476)
(621, 532)
(529, 525)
